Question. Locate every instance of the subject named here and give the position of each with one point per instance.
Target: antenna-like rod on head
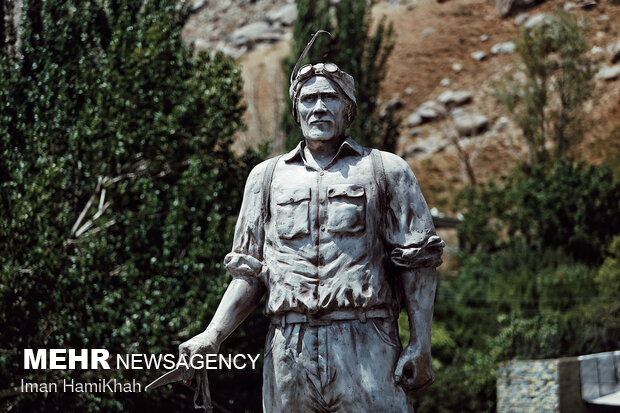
(305, 52)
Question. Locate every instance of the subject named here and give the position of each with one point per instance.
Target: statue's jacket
(327, 243)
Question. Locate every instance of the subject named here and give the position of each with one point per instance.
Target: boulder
(415, 131)
(457, 98)
(521, 18)
(608, 72)
(285, 15)
(414, 119)
(457, 67)
(614, 51)
(536, 20)
(504, 7)
(501, 124)
(596, 50)
(470, 124)
(197, 5)
(570, 6)
(504, 48)
(422, 148)
(431, 110)
(457, 111)
(254, 33)
(588, 5)
(479, 55)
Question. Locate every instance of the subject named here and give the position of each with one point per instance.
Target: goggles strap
(305, 52)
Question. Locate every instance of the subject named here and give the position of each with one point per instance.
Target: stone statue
(339, 237)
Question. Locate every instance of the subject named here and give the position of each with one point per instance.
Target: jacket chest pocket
(346, 208)
(292, 217)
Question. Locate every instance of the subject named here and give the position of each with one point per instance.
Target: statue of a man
(339, 236)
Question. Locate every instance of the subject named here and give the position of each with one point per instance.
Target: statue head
(326, 89)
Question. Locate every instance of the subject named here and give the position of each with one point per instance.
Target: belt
(314, 320)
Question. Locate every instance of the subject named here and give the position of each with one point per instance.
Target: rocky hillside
(446, 56)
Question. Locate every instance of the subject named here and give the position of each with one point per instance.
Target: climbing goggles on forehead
(310, 70)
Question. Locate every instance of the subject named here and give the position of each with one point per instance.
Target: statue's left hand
(414, 369)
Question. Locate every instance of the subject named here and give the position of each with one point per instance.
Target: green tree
(608, 278)
(563, 205)
(529, 285)
(117, 192)
(356, 51)
(548, 103)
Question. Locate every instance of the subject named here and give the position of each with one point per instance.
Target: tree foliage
(548, 102)
(356, 51)
(568, 206)
(118, 189)
(531, 284)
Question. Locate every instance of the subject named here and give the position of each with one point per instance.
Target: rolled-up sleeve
(410, 232)
(246, 256)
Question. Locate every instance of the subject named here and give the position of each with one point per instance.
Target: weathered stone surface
(503, 7)
(285, 15)
(521, 18)
(212, 23)
(197, 5)
(431, 110)
(608, 72)
(528, 386)
(414, 119)
(457, 111)
(614, 51)
(457, 98)
(504, 48)
(470, 124)
(255, 32)
(570, 6)
(415, 131)
(423, 148)
(536, 20)
(479, 55)
(588, 5)
(501, 124)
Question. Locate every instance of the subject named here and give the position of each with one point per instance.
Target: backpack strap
(378, 172)
(266, 187)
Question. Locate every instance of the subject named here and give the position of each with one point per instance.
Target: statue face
(322, 110)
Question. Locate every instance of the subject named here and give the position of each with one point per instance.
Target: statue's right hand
(201, 344)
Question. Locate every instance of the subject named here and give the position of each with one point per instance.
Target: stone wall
(528, 386)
